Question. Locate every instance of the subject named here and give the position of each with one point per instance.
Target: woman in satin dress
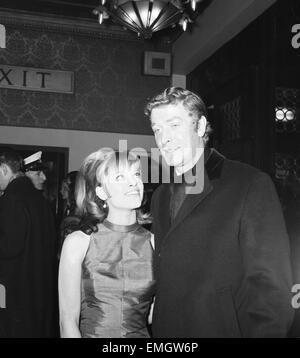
(106, 283)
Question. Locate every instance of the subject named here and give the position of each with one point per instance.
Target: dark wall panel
(110, 89)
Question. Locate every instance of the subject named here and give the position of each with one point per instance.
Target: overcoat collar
(213, 167)
(22, 181)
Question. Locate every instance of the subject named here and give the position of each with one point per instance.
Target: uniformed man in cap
(27, 254)
(35, 170)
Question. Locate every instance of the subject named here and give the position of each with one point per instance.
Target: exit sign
(36, 79)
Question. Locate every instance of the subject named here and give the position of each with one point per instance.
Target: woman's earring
(104, 205)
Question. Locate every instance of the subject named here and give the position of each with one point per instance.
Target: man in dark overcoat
(222, 259)
(27, 257)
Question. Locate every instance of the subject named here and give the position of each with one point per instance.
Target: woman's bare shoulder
(76, 244)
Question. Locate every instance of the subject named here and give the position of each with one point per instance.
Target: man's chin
(173, 162)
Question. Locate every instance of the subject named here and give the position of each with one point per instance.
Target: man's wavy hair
(13, 159)
(175, 95)
(92, 173)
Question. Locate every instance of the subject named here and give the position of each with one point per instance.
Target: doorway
(56, 160)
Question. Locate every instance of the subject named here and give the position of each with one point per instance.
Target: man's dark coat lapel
(212, 171)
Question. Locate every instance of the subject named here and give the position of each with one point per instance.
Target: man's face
(4, 177)
(38, 178)
(176, 135)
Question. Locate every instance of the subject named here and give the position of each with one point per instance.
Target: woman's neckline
(120, 228)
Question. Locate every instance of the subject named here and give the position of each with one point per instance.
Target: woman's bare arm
(69, 283)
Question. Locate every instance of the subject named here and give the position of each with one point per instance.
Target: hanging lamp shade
(146, 16)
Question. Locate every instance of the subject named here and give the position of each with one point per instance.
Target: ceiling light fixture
(147, 16)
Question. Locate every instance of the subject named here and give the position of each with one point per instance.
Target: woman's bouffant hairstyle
(175, 95)
(92, 173)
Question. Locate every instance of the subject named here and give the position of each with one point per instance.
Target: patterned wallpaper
(109, 91)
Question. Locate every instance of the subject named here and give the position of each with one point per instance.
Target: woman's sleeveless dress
(117, 282)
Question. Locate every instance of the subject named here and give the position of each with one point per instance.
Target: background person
(35, 170)
(70, 220)
(67, 192)
(27, 257)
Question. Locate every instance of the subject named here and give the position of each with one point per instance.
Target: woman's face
(64, 189)
(124, 187)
